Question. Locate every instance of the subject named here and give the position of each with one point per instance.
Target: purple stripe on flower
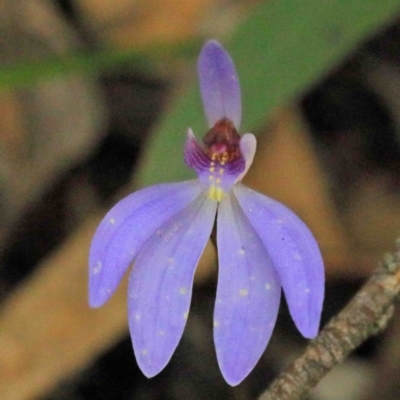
(194, 155)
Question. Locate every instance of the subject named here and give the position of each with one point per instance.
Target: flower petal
(248, 294)
(160, 285)
(124, 230)
(294, 252)
(219, 84)
(248, 146)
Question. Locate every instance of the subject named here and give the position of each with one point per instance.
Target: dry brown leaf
(130, 23)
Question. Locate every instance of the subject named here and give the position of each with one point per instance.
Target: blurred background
(95, 100)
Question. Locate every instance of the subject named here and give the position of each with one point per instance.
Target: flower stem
(367, 314)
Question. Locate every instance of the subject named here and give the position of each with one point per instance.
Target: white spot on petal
(216, 323)
(297, 257)
(183, 290)
(144, 352)
(267, 286)
(97, 268)
(112, 221)
(307, 290)
(138, 317)
(161, 333)
(185, 315)
(243, 292)
(241, 252)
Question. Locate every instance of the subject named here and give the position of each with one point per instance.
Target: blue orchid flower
(163, 230)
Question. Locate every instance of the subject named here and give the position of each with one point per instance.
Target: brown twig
(366, 315)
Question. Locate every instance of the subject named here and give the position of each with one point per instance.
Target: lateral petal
(160, 285)
(248, 294)
(219, 84)
(248, 145)
(124, 230)
(295, 255)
